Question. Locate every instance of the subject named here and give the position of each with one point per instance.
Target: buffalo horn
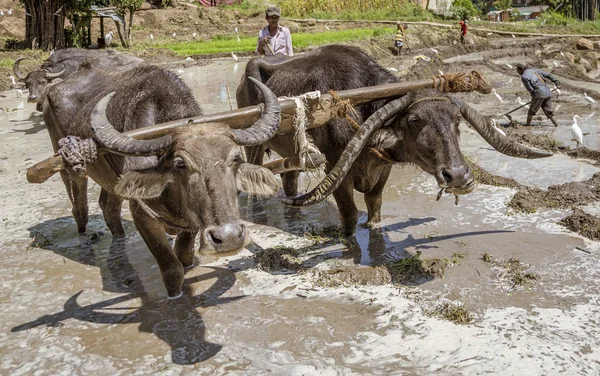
(265, 127)
(106, 135)
(501, 143)
(50, 75)
(332, 181)
(16, 69)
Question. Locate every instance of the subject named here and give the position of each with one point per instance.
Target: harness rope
(77, 153)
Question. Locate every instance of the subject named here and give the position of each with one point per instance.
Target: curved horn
(353, 149)
(51, 75)
(106, 135)
(16, 69)
(265, 127)
(501, 143)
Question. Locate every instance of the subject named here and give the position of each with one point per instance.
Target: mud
(583, 223)
(529, 200)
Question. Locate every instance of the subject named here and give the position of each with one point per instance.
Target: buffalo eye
(43, 82)
(179, 163)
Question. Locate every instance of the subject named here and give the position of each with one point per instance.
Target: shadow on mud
(36, 121)
(177, 322)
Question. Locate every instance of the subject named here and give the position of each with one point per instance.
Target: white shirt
(281, 43)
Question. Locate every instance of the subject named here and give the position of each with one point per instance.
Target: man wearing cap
(534, 81)
(274, 39)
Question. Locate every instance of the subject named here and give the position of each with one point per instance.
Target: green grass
(228, 43)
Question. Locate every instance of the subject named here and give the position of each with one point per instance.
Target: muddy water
(90, 305)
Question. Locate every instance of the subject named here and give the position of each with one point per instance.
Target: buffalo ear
(256, 180)
(143, 184)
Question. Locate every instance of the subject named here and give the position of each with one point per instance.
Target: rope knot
(77, 152)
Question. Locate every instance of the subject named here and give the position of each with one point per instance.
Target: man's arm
(527, 85)
(551, 77)
(288, 44)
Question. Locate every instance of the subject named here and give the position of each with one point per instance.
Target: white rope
(303, 145)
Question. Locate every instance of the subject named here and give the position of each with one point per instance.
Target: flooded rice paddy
(86, 304)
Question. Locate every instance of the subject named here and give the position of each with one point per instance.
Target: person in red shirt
(463, 30)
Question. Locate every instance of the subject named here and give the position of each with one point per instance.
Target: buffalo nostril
(214, 238)
(447, 177)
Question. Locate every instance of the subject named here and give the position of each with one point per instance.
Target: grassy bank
(226, 44)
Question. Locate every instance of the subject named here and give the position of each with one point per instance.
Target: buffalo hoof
(173, 280)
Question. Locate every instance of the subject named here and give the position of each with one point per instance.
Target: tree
(463, 9)
(44, 24)
(503, 4)
(123, 7)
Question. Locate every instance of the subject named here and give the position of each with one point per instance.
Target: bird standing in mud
(234, 57)
(108, 38)
(509, 66)
(498, 97)
(496, 128)
(576, 132)
(520, 101)
(589, 99)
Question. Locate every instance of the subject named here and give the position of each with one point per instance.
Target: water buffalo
(185, 183)
(63, 63)
(421, 129)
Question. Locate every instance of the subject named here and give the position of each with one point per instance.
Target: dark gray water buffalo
(63, 63)
(185, 183)
(419, 128)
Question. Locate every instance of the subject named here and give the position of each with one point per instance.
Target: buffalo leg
(111, 209)
(374, 198)
(184, 247)
(80, 204)
(344, 198)
(155, 237)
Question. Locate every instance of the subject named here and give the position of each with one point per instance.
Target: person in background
(274, 39)
(464, 25)
(399, 39)
(534, 82)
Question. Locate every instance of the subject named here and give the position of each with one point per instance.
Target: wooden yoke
(319, 112)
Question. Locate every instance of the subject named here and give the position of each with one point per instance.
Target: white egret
(238, 38)
(233, 56)
(194, 35)
(441, 73)
(498, 129)
(497, 96)
(435, 51)
(391, 69)
(520, 101)
(180, 71)
(9, 11)
(1, 13)
(590, 115)
(235, 30)
(513, 35)
(562, 54)
(557, 90)
(151, 37)
(174, 35)
(327, 27)
(589, 99)
(422, 57)
(108, 38)
(13, 82)
(188, 62)
(555, 64)
(509, 66)
(488, 34)
(576, 132)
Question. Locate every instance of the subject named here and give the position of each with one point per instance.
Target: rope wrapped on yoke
(461, 82)
(76, 153)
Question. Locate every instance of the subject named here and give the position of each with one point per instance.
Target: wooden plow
(319, 112)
